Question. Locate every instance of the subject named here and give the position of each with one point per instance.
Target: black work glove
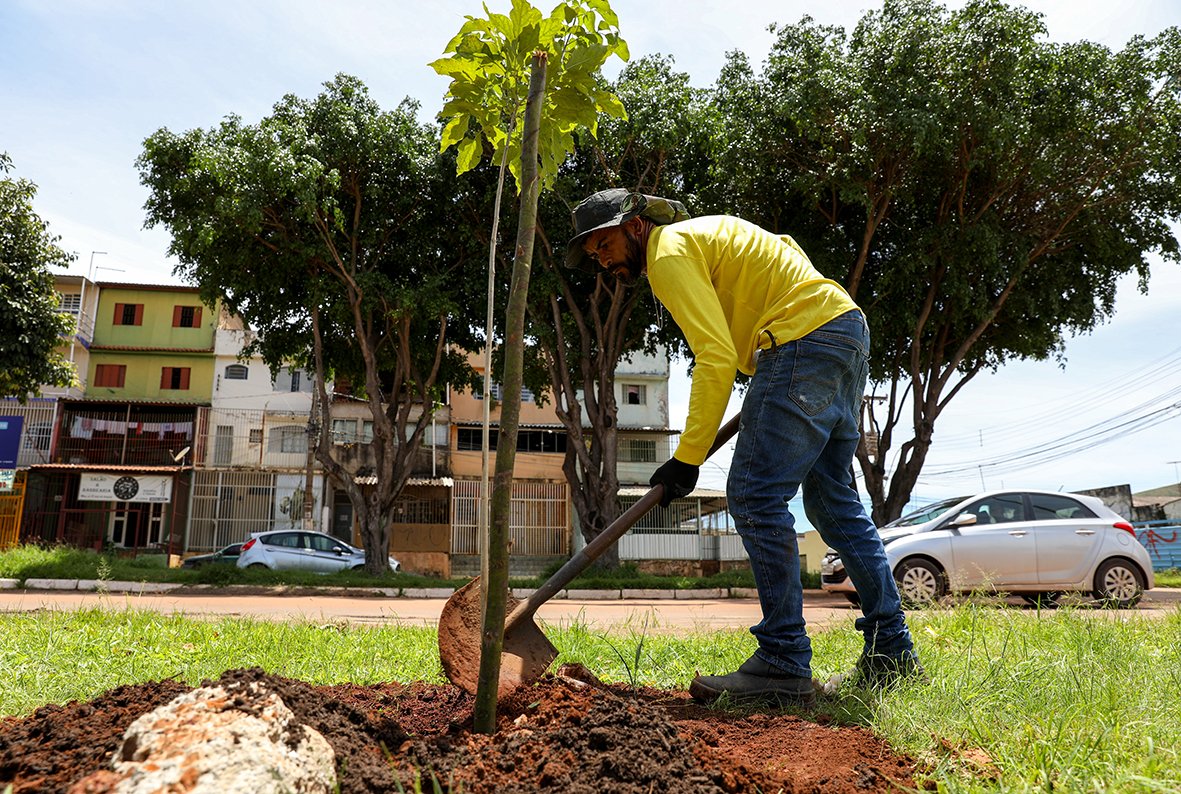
(679, 479)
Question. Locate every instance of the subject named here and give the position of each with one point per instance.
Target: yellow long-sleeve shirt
(726, 281)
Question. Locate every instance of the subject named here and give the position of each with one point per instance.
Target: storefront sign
(102, 487)
(10, 440)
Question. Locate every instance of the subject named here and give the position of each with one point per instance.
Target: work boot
(879, 671)
(755, 681)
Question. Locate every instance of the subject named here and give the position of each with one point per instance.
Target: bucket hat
(612, 208)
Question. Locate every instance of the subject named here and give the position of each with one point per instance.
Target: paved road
(820, 609)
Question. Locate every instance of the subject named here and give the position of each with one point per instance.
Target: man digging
(748, 300)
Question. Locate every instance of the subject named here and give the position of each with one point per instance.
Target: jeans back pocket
(817, 374)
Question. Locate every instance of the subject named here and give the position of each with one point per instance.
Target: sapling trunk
(496, 584)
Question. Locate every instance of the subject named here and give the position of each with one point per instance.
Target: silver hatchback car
(1036, 544)
(302, 550)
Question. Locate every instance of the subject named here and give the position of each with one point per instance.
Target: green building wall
(147, 348)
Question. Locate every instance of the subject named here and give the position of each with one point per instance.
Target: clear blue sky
(85, 81)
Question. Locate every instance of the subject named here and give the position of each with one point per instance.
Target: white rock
(218, 740)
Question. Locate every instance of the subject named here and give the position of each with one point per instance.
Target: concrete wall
(1117, 497)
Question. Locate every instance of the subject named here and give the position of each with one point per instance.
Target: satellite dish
(178, 457)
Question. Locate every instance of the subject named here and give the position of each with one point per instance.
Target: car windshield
(925, 514)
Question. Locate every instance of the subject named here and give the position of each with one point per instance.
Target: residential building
(33, 421)
(253, 468)
(117, 470)
(176, 439)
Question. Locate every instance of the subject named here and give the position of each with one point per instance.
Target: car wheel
(1118, 583)
(1042, 600)
(358, 567)
(920, 582)
(255, 566)
(854, 599)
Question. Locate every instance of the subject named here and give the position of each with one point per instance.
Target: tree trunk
(496, 585)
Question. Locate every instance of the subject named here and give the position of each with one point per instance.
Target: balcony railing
(132, 436)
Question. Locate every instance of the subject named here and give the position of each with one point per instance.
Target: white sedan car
(302, 550)
(1036, 544)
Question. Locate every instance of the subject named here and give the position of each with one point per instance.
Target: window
(289, 438)
(496, 391)
(69, 302)
(287, 540)
(366, 432)
(37, 436)
(344, 431)
(186, 316)
(237, 372)
(637, 450)
(635, 394)
(321, 543)
(1047, 507)
(111, 375)
(256, 435)
(174, 378)
(295, 380)
(129, 314)
(471, 438)
(999, 509)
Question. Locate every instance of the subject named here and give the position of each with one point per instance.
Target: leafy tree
(326, 226)
(978, 189)
(584, 325)
(490, 81)
(31, 328)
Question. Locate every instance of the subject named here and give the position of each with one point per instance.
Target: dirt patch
(557, 736)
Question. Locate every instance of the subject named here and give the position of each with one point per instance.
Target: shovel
(527, 652)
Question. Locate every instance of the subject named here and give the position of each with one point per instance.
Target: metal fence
(229, 505)
(688, 529)
(1163, 541)
(252, 438)
(36, 432)
(539, 521)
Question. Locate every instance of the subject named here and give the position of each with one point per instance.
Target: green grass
(64, 562)
(1169, 578)
(1063, 700)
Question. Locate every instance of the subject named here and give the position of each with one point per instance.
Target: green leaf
(454, 67)
(470, 152)
(454, 132)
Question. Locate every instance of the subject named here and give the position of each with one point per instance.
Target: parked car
(228, 555)
(289, 550)
(1036, 544)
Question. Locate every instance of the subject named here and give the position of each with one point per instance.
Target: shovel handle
(593, 550)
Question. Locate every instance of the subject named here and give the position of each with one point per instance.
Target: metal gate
(539, 521)
(11, 505)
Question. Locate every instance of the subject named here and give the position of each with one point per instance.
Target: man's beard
(629, 271)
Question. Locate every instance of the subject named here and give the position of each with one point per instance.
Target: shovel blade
(527, 652)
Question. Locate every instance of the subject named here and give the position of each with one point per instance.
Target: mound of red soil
(558, 736)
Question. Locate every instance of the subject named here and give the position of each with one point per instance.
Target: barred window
(635, 394)
(637, 450)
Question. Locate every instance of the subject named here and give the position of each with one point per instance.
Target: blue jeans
(799, 427)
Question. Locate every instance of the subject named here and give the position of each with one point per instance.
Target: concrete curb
(593, 595)
(708, 593)
(648, 594)
(136, 588)
(9, 584)
(51, 584)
